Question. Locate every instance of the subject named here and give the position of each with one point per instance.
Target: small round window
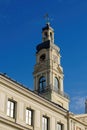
(42, 57)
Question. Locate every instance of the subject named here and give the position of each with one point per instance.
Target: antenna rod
(46, 17)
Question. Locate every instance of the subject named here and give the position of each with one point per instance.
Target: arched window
(45, 36)
(51, 35)
(42, 83)
(56, 84)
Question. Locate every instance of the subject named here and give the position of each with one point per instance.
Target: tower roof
(47, 27)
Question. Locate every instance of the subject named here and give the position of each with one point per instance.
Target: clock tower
(48, 72)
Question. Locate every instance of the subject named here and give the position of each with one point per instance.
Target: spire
(47, 19)
(47, 31)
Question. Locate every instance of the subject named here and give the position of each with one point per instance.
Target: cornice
(14, 124)
(72, 116)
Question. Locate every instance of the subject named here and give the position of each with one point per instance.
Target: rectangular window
(10, 108)
(29, 116)
(44, 123)
(59, 126)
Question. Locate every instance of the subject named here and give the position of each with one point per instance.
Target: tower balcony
(49, 89)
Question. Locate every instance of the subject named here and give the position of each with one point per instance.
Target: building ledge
(14, 124)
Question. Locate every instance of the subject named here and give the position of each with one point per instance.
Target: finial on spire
(46, 17)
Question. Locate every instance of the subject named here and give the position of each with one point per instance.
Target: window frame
(29, 117)
(42, 83)
(45, 123)
(11, 108)
(60, 125)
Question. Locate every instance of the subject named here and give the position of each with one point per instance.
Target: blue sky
(21, 22)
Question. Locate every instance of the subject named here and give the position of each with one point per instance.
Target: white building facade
(45, 108)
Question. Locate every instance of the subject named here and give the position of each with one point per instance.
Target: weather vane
(46, 17)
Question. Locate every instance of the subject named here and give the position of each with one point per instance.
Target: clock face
(42, 57)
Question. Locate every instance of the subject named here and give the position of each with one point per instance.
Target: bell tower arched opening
(42, 84)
